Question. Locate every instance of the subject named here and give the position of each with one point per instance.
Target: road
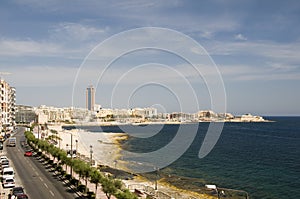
(37, 181)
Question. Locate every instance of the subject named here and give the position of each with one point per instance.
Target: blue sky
(255, 45)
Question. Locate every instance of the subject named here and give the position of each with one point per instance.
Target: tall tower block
(90, 98)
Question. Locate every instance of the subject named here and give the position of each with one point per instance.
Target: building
(7, 106)
(48, 114)
(25, 114)
(90, 98)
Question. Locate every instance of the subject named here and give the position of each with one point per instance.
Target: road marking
(46, 185)
(51, 193)
(41, 179)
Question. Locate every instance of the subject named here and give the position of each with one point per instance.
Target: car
(28, 153)
(8, 173)
(8, 182)
(22, 196)
(17, 191)
(4, 165)
(3, 160)
(3, 157)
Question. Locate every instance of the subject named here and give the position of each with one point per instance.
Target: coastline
(107, 153)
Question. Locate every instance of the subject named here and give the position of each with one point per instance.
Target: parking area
(8, 164)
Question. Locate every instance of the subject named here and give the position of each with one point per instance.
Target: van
(8, 172)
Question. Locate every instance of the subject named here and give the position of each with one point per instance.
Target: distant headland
(135, 116)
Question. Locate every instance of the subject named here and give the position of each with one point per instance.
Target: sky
(245, 54)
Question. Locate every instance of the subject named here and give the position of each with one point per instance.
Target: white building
(7, 105)
(48, 114)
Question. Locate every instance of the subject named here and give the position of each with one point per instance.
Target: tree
(126, 194)
(110, 186)
(96, 178)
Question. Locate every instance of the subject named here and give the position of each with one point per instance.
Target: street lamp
(76, 146)
(91, 154)
(156, 177)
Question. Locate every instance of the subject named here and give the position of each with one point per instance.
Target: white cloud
(77, 32)
(273, 50)
(259, 72)
(41, 75)
(10, 47)
(240, 37)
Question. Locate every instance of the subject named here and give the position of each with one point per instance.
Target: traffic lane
(37, 182)
(30, 177)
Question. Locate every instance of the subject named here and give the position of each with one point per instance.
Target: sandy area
(104, 146)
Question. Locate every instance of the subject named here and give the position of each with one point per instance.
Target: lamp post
(76, 146)
(156, 177)
(91, 155)
(38, 131)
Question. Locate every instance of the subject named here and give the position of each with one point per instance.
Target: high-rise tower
(90, 98)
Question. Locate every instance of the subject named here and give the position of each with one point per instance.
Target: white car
(3, 157)
(8, 173)
(8, 182)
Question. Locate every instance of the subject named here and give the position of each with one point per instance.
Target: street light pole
(71, 152)
(91, 155)
(38, 131)
(156, 177)
(76, 147)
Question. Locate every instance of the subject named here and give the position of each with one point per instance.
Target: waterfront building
(25, 114)
(46, 114)
(181, 117)
(7, 106)
(144, 112)
(90, 98)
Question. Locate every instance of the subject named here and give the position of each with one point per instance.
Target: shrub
(68, 176)
(81, 188)
(74, 181)
(91, 195)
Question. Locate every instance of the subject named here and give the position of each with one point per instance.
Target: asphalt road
(33, 175)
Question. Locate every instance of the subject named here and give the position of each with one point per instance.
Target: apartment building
(7, 106)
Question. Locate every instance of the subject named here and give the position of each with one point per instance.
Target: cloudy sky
(54, 49)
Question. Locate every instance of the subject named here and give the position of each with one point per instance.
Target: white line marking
(46, 185)
(51, 193)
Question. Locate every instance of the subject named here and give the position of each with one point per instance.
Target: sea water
(260, 158)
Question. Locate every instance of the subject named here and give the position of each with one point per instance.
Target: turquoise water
(260, 158)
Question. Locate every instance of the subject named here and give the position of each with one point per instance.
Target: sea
(262, 158)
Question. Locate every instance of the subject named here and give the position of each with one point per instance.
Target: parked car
(4, 161)
(3, 157)
(8, 173)
(22, 196)
(17, 191)
(28, 153)
(4, 165)
(8, 182)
